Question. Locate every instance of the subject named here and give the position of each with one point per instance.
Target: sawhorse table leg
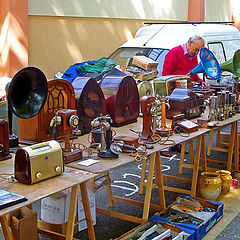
(5, 223)
(154, 164)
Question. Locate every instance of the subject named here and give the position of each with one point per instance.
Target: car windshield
(124, 56)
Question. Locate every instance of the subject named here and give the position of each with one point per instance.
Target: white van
(155, 40)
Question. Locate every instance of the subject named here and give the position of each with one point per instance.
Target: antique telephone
(163, 131)
(69, 120)
(105, 147)
(149, 108)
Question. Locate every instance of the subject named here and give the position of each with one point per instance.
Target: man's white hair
(194, 38)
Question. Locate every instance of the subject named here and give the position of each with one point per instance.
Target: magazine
(8, 199)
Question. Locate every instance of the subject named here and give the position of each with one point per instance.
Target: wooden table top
(106, 165)
(40, 190)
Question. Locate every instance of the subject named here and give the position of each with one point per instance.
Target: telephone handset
(180, 124)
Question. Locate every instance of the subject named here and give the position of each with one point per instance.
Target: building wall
(62, 33)
(218, 10)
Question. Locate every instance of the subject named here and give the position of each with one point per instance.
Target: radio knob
(38, 175)
(58, 169)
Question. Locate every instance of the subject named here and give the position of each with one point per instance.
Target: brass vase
(210, 185)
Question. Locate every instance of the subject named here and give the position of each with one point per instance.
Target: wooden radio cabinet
(122, 98)
(60, 96)
(89, 102)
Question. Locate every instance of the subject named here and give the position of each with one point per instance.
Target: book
(8, 199)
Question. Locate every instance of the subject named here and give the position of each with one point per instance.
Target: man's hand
(205, 84)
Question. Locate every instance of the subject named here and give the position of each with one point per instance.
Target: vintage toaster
(4, 140)
(60, 96)
(122, 98)
(38, 162)
(89, 101)
(185, 101)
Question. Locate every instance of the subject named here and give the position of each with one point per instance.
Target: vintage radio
(122, 98)
(89, 101)
(38, 162)
(186, 102)
(164, 85)
(60, 96)
(206, 92)
(4, 140)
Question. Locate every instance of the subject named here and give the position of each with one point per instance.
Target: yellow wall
(62, 32)
(55, 43)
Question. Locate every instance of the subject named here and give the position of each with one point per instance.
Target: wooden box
(60, 96)
(144, 62)
(89, 101)
(122, 98)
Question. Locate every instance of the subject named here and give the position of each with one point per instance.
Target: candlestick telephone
(102, 135)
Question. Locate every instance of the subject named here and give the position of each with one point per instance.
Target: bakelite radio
(60, 96)
(185, 101)
(89, 101)
(122, 98)
(4, 140)
(38, 162)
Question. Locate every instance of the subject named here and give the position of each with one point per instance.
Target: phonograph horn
(26, 96)
(27, 92)
(232, 65)
(208, 64)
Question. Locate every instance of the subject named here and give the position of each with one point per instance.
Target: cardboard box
(144, 63)
(55, 209)
(201, 229)
(23, 224)
(175, 232)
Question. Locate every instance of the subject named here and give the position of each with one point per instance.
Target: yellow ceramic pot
(210, 185)
(226, 180)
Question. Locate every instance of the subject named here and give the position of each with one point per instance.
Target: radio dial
(39, 175)
(58, 169)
